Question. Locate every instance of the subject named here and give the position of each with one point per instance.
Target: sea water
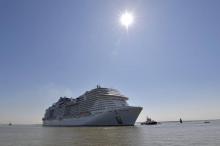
(195, 133)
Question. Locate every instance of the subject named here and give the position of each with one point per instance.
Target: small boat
(206, 122)
(149, 121)
(9, 124)
(181, 121)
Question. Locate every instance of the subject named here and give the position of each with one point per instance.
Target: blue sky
(168, 61)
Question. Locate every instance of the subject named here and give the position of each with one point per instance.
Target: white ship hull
(125, 116)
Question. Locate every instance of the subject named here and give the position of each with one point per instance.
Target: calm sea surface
(166, 134)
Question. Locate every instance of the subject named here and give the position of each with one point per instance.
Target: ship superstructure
(97, 107)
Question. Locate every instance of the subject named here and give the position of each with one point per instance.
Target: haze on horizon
(168, 60)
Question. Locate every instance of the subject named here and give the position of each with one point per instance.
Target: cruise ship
(97, 107)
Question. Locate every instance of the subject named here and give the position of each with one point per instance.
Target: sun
(126, 19)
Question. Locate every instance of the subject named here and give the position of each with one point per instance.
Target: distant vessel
(9, 124)
(181, 121)
(149, 121)
(97, 107)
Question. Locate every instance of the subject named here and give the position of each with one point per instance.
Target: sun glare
(126, 19)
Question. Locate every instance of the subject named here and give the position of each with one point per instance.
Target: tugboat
(149, 121)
